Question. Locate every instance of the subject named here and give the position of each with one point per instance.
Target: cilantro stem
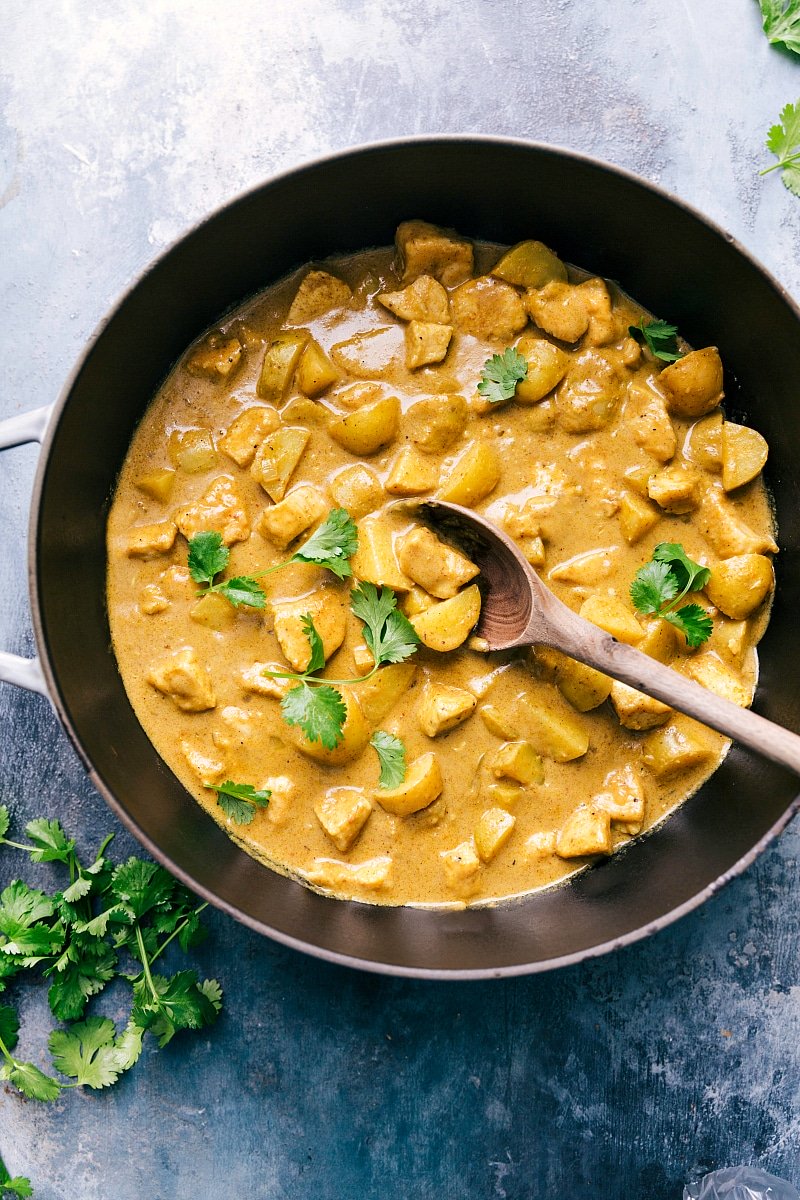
(17, 845)
(146, 964)
(7, 1054)
(176, 931)
(784, 162)
(306, 678)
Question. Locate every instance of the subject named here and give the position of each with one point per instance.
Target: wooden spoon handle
(600, 650)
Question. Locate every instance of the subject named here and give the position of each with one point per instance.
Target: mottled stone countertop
(120, 124)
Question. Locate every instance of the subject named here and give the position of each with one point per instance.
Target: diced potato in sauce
(353, 385)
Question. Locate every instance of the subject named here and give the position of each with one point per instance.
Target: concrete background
(119, 125)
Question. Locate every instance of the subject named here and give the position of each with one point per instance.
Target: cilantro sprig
(18, 1186)
(240, 801)
(78, 939)
(391, 756)
(500, 375)
(660, 585)
(315, 704)
(660, 337)
(783, 140)
(781, 22)
(331, 546)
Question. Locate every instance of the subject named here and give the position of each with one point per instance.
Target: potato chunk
(552, 729)
(488, 308)
(376, 559)
(423, 300)
(547, 366)
(704, 442)
(740, 584)
(356, 733)
(442, 707)
(317, 294)
(424, 249)
(649, 422)
(609, 613)
(367, 429)
(636, 517)
(370, 355)
(413, 473)
(426, 342)
(343, 813)
(217, 357)
(436, 422)
(184, 680)
(635, 710)
(518, 761)
(744, 453)
(586, 831)
(676, 489)
(378, 695)
(213, 612)
(278, 367)
(302, 508)
(247, 432)
(530, 265)
(678, 747)
(433, 564)
(329, 614)
(220, 510)
(445, 626)
(727, 532)
(422, 785)
(315, 372)
(493, 830)
(588, 397)
(157, 485)
(192, 450)
(585, 569)
(462, 868)
(473, 475)
(584, 687)
(148, 541)
(277, 459)
(714, 674)
(357, 489)
(694, 383)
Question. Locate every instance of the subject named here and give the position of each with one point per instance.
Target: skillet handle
(17, 431)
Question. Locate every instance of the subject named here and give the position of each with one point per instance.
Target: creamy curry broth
(576, 473)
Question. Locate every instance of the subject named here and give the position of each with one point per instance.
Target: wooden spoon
(519, 610)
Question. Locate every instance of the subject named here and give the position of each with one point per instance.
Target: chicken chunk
(622, 798)
(373, 874)
(442, 707)
(220, 510)
(676, 489)
(148, 541)
(343, 813)
(247, 432)
(208, 767)
(488, 308)
(432, 564)
(318, 293)
(435, 423)
(217, 357)
(329, 614)
(589, 395)
(184, 680)
(649, 422)
(424, 249)
(725, 530)
(283, 522)
(635, 710)
(426, 342)
(423, 300)
(254, 680)
(560, 309)
(586, 831)
(462, 867)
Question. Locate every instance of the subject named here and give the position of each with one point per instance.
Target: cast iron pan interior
(669, 259)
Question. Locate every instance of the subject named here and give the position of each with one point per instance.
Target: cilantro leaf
(128, 1046)
(319, 711)
(660, 338)
(781, 22)
(18, 1186)
(77, 980)
(500, 375)
(332, 545)
(77, 890)
(239, 801)
(388, 633)
(5, 820)
(693, 622)
(50, 841)
(392, 757)
(317, 660)
(243, 590)
(784, 142)
(86, 1052)
(9, 1026)
(207, 556)
(653, 586)
(29, 1080)
(23, 913)
(178, 1003)
(691, 576)
(139, 886)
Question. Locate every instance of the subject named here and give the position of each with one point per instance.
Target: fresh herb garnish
(500, 375)
(784, 142)
(661, 584)
(18, 1186)
(239, 801)
(75, 939)
(331, 546)
(660, 337)
(315, 705)
(781, 21)
(392, 757)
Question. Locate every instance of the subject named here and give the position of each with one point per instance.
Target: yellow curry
(453, 776)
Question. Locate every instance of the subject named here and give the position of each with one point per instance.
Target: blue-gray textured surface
(119, 125)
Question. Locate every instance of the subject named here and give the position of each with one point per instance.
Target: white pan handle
(16, 431)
